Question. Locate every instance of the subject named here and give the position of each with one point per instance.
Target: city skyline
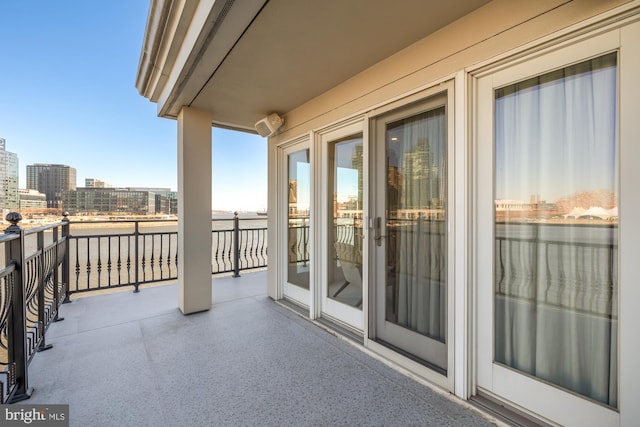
(69, 97)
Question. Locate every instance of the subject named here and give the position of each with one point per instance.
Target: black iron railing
(32, 289)
(112, 254)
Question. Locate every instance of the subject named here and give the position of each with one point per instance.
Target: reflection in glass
(298, 218)
(416, 218)
(556, 231)
(345, 216)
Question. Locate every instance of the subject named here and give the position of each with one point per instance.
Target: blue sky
(67, 95)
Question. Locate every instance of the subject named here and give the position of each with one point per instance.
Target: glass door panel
(556, 228)
(411, 234)
(345, 222)
(298, 205)
(342, 283)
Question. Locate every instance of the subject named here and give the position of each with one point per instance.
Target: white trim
(294, 141)
(585, 30)
(198, 21)
(366, 230)
(629, 219)
(459, 197)
(413, 95)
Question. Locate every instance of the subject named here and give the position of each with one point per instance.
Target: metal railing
(113, 254)
(32, 289)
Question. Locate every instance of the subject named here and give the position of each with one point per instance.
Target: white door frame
(526, 393)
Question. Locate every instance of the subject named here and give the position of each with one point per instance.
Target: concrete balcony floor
(128, 359)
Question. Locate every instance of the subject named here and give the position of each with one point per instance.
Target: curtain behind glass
(556, 253)
(416, 195)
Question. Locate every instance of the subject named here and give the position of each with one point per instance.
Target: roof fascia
(167, 23)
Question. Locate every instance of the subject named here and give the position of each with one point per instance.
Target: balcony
(132, 359)
(123, 358)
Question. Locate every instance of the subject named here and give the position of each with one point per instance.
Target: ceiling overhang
(242, 60)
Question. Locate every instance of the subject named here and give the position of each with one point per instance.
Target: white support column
(194, 210)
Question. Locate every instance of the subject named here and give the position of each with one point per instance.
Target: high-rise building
(51, 180)
(9, 198)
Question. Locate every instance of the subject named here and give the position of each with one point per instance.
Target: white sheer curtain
(417, 217)
(556, 278)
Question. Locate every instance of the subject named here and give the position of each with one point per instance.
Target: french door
(411, 239)
(547, 235)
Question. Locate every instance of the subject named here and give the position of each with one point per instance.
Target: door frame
(500, 382)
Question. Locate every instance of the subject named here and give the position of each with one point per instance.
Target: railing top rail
(5, 271)
(133, 221)
(8, 237)
(44, 228)
(120, 221)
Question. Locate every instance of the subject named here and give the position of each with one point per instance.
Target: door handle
(378, 234)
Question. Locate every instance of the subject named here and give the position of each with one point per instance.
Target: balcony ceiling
(291, 51)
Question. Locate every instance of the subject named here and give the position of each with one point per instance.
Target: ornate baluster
(77, 269)
(88, 262)
(161, 237)
(152, 263)
(143, 262)
(216, 256)
(169, 257)
(109, 261)
(129, 257)
(99, 264)
(119, 260)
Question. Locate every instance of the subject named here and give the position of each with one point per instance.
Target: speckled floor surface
(130, 359)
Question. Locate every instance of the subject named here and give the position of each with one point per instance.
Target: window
(556, 228)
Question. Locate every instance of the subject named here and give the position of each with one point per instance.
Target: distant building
(51, 180)
(96, 183)
(167, 202)
(511, 205)
(135, 201)
(8, 178)
(32, 199)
